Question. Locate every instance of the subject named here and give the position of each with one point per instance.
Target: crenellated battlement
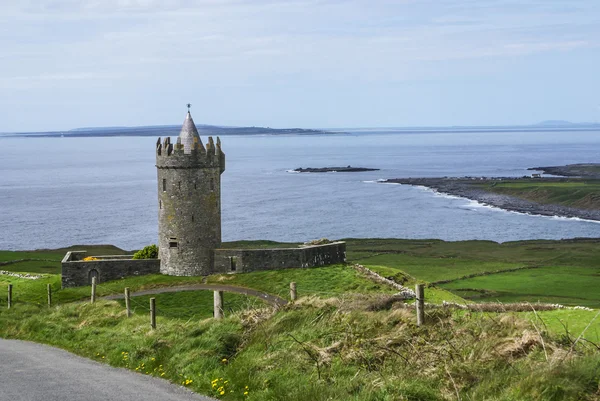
(169, 155)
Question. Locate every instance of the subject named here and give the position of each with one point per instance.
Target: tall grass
(332, 349)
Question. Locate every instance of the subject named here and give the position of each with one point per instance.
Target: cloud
(196, 44)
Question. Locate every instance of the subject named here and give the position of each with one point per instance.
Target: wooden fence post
(293, 293)
(153, 313)
(49, 289)
(128, 301)
(10, 286)
(420, 304)
(93, 290)
(218, 304)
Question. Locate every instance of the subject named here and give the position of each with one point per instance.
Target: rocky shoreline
(466, 188)
(347, 169)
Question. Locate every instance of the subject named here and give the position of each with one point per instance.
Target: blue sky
(297, 63)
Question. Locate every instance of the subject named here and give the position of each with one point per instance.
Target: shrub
(149, 252)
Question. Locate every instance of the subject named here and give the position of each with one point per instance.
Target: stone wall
(247, 260)
(76, 272)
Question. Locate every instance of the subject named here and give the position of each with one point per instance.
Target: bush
(149, 252)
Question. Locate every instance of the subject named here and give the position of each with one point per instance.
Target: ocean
(56, 192)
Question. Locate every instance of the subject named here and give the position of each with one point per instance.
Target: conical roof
(188, 133)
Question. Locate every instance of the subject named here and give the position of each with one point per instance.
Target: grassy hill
(347, 338)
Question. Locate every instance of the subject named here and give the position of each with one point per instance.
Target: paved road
(271, 299)
(35, 372)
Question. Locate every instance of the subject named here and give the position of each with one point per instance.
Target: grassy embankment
(577, 193)
(565, 272)
(351, 347)
(317, 350)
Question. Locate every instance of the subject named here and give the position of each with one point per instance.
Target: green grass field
(559, 284)
(342, 340)
(324, 282)
(578, 193)
(564, 272)
(317, 350)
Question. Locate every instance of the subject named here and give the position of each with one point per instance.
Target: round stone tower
(189, 202)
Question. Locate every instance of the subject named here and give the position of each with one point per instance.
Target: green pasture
(567, 324)
(565, 272)
(557, 284)
(435, 269)
(578, 193)
(195, 305)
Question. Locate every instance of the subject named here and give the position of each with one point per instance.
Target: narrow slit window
(192, 218)
(164, 185)
(195, 186)
(212, 184)
(233, 261)
(179, 185)
(160, 204)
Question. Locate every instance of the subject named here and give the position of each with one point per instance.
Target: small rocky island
(347, 169)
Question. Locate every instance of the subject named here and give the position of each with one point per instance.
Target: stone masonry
(247, 260)
(189, 202)
(77, 272)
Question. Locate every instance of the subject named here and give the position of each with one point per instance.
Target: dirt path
(270, 299)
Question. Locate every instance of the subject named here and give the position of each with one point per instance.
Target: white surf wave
(378, 181)
(475, 206)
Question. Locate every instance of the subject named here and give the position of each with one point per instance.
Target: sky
(297, 63)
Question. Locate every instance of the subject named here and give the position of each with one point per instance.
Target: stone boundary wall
(76, 272)
(405, 293)
(248, 260)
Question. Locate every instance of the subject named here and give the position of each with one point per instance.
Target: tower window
(233, 261)
(164, 185)
(195, 186)
(173, 243)
(160, 204)
(192, 218)
(212, 184)
(179, 185)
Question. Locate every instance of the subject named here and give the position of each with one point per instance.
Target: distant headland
(219, 130)
(172, 130)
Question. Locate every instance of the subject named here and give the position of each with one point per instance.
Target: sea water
(57, 192)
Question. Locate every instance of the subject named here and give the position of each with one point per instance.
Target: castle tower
(189, 202)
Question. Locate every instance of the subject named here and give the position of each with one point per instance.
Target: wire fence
(197, 308)
(195, 305)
